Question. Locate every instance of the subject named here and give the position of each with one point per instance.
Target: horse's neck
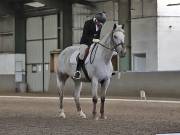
(105, 53)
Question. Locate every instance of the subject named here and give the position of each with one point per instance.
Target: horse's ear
(114, 27)
(123, 26)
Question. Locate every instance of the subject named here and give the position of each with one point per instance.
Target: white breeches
(82, 51)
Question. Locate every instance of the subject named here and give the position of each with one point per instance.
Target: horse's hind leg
(61, 79)
(104, 86)
(77, 91)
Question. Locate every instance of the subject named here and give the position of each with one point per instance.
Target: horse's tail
(57, 65)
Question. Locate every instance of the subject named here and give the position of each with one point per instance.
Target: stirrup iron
(77, 75)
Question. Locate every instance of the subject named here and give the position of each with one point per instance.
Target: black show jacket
(89, 33)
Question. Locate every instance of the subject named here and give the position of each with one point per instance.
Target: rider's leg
(77, 74)
(86, 53)
(80, 62)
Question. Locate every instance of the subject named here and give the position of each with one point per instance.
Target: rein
(92, 60)
(103, 45)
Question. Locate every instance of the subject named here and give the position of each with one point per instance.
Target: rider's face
(99, 24)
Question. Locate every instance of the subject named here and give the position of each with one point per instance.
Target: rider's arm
(87, 33)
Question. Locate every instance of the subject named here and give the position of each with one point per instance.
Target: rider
(91, 33)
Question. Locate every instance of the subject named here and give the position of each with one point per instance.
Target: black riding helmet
(101, 17)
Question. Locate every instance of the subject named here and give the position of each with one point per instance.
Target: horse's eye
(115, 36)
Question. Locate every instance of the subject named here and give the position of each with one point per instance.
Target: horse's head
(118, 40)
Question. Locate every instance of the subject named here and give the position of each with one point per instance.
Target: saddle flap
(74, 55)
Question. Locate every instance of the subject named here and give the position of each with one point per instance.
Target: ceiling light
(35, 4)
(173, 2)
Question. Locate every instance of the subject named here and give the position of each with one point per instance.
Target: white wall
(168, 43)
(144, 40)
(7, 64)
(168, 35)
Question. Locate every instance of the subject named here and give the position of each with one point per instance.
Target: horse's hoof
(103, 117)
(82, 114)
(62, 115)
(95, 117)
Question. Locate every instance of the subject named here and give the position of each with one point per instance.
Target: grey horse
(99, 69)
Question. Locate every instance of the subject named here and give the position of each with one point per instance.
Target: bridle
(114, 48)
(113, 43)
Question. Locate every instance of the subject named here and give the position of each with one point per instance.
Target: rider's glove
(96, 40)
(114, 53)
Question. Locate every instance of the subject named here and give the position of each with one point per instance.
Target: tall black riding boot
(77, 74)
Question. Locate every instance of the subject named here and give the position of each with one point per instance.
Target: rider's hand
(96, 40)
(114, 53)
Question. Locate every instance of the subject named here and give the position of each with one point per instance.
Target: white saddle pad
(73, 57)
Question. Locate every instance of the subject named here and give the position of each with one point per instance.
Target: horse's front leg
(94, 97)
(77, 91)
(104, 86)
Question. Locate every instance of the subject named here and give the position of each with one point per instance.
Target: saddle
(74, 57)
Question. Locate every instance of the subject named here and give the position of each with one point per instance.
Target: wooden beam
(84, 2)
(5, 9)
